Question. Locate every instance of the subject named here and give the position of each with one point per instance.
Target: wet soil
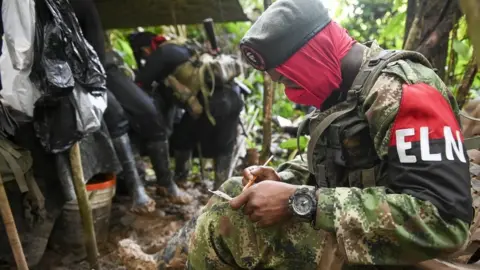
(135, 240)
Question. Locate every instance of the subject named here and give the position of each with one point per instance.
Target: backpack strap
(10, 155)
(373, 68)
(364, 81)
(302, 127)
(25, 180)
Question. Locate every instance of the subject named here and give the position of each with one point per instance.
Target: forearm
(294, 171)
(374, 227)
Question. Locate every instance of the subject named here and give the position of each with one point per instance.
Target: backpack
(352, 150)
(194, 76)
(16, 164)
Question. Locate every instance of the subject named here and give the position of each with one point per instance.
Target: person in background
(128, 108)
(225, 105)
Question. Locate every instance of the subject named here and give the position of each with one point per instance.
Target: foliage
(119, 41)
(291, 144)
(381, 20)
(463, 53)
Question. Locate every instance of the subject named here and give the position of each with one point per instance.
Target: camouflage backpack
(341, 151)
(197, 73)
(16, 165)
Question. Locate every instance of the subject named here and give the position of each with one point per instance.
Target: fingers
(254, 218)
(240, 200)
(248, 209)
(260, 172)
(247, 174)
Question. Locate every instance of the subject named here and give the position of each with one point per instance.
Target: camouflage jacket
(420, 206)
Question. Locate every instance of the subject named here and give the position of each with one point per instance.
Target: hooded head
(298, 43)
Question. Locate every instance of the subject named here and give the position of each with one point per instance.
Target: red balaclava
(316, 67)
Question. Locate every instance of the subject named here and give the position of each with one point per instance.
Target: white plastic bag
(18, 90)
(89, 109)
(19, 29)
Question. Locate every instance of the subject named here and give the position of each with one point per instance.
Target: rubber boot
(158, 152)
(142, 203)
(222, 166)
(183, 165)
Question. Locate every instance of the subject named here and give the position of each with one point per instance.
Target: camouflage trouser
(226, 239)
(222, 238)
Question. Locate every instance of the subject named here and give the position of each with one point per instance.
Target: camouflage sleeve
(424, 210)
(294, 171)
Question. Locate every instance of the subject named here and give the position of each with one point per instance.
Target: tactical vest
(341, 152)
(193, 77)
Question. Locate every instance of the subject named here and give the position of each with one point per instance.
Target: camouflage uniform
(359, 226)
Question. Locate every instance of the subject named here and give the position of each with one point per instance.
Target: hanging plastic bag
(70, 77)
(89, 110)
(19, 30)
(82, 58)
(64, 55)
(18, 90)
(62, 122)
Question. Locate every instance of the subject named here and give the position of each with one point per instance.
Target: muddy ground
(134, 239)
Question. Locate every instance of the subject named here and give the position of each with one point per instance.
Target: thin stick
(11, 229)
(252, 181)
(240, 142)
(84, 206)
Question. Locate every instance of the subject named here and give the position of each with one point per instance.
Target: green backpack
(16, 164)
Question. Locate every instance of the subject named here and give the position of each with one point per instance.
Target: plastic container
(68, 233)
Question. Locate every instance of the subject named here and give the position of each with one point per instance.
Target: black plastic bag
(64, 52)
(65, 61)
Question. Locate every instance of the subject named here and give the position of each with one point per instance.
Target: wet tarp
(134, 13)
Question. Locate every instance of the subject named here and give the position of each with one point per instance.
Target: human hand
(266, 203)
(261, 173)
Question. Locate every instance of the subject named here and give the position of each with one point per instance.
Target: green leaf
(291, 144)
(461, 48)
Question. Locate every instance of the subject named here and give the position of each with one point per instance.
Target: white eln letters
(451, 145)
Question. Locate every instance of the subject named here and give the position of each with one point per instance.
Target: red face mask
(316, 67)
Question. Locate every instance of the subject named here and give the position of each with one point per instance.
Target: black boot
(141, 201)
(222, 166)
(158, 152)
(183, 165)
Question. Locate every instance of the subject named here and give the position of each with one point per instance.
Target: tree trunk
(471, 8)
(438, 18)
(467, 81)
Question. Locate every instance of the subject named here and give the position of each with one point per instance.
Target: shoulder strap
(301, 130)
(10, 155)
(372, 69)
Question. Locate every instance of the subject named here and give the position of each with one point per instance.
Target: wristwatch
(303, 203)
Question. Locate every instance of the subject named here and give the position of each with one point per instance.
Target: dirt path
(141, 237)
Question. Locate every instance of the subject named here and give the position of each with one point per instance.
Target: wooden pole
(84, 207)
(268, 95)
(11, 229)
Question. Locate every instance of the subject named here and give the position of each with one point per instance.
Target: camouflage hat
(281, 30)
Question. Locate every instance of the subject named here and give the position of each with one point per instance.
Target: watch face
(302, 204)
